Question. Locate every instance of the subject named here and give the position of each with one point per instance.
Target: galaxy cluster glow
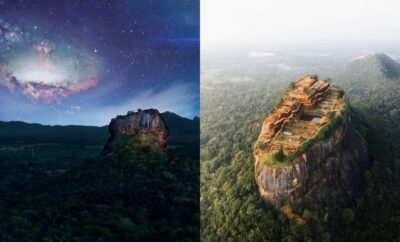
(40, 71)
(84, 62)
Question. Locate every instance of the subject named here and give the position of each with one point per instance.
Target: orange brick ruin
(299, 116)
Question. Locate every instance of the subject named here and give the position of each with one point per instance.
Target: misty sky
(238, 23)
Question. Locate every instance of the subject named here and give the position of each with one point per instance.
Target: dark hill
(56, 187)
(178, 125)
(16, 130)
(183, 132)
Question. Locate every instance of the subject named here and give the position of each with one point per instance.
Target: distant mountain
(16, 130)
(19, 127)
(374, 66)
(183, 132)
(372, 80)
(372, 86)
(178, 125)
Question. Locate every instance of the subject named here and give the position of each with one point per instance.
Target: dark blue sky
(83, 62)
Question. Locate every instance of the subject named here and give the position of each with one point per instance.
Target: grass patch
(271, 161)
(340, 93)
(261, 145)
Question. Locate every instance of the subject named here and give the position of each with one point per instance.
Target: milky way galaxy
(83, 62)
(41, 72)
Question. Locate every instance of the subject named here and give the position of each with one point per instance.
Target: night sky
(84, 62)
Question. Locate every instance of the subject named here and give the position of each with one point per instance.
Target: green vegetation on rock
(275, 160)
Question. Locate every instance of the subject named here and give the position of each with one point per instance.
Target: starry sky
(84, 62)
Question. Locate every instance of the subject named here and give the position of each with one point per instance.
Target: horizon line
(86, 125)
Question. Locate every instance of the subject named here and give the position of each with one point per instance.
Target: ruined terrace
(302, 113)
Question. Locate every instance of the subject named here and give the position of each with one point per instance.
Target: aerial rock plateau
(308, 152)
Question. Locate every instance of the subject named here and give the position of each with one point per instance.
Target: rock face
(148, 125)
(328, 172)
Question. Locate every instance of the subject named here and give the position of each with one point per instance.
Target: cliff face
(147, 125)
(307, 152)
(330, 172)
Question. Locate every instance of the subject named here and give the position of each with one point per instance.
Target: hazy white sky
(247, 22)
